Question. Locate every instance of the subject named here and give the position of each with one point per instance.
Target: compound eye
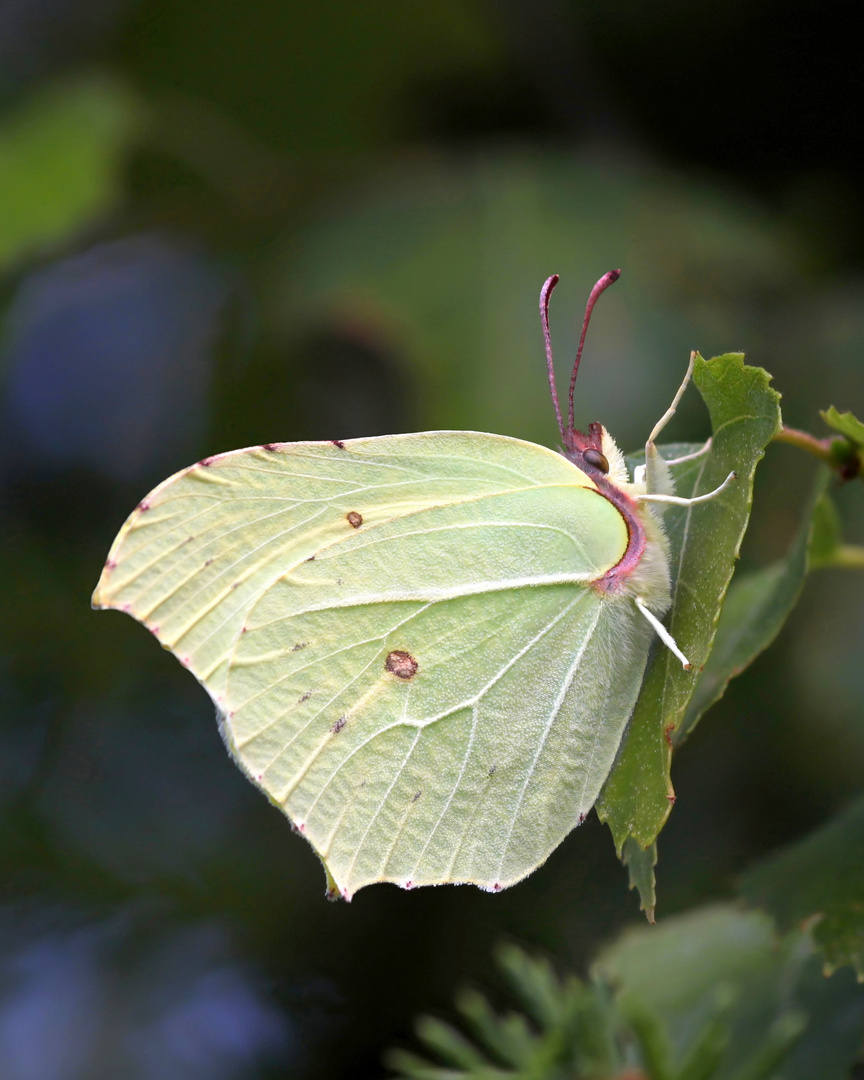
(595, 458)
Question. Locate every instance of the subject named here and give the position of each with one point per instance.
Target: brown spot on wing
(354, 519)
(401, 664)
(339, 724)
(338, 443)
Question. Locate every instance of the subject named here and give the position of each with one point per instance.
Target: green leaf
(655, 1047)
(449, 1044)
(826, 535)
(640, 863)
(706, 1053)
(846, 423)
(507, 1044)
(535, 982)
(671, 965)
(705, 541)
(61, 156)
(778, 1041)
(755, 610)
(414, 1067)
(847, 454)
(820, 878)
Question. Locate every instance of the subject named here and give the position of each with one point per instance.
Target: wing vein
(553, 716)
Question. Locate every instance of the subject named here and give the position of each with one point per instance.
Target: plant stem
(820, 448)
(845, 457)
(846, 557)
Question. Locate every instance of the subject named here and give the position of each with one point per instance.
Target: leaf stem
(820, 448)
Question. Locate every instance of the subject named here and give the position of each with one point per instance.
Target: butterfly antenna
(601, 287)
(545, 293)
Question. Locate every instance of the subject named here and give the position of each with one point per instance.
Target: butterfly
(423, 648)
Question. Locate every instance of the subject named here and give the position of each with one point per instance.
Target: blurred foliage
(277, 222)
(713, 994)
(781, 1015)
(61, 159)
(311, 79)
(756, 607)
(441, 260)
(820, 881)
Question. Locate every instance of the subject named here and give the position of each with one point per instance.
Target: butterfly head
(595, 452)
(587, 451)
(597, 455)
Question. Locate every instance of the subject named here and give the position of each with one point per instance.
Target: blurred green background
(225, 224)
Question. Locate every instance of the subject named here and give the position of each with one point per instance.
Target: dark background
(224, 224)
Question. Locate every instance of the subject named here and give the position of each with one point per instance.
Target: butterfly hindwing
(402, 638)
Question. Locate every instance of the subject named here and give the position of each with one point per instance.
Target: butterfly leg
(658, 479)
(639, 471)
(677, 500)
(670, 412)
(690, 457)
(663, 633)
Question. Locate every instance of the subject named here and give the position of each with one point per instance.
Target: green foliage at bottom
(713, 995)
(820, 881)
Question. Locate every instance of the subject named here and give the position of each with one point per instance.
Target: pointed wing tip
(101, 599)
(98, 601)
(333, 890)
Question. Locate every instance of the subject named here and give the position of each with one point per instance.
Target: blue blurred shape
(108, 355)
(131, 996)
(50, 1007)
(214, 1030)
